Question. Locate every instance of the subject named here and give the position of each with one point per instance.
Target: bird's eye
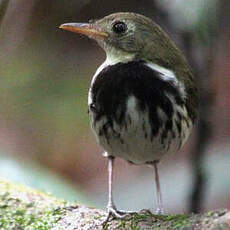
(119, 27)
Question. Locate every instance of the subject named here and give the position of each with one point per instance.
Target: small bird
(143, 100)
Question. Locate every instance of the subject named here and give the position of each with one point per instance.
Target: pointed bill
(85, 29)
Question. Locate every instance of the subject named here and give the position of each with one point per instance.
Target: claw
(113, 213)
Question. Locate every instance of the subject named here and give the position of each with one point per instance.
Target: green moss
(171, 221)
(121, 225)
(140, 217)
(22, 208)
(210, 213)
(134, 226)
(178, 221)
(147, 220)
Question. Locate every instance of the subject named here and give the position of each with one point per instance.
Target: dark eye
(119, 27)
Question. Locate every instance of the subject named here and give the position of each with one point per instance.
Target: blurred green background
(45, 137)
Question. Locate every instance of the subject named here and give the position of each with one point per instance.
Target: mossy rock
(23, 208)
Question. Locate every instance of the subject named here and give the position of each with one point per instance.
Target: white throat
(114, 56)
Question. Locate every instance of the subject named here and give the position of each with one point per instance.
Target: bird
(143, 100)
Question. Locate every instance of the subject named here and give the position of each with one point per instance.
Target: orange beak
(85, 29)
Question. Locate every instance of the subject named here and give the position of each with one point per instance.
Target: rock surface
(23, 208)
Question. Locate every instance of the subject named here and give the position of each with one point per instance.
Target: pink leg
(159, 195)
(111, 208)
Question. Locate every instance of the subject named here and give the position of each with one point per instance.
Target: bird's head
(128, 35)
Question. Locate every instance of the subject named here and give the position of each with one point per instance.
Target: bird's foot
(113, 213)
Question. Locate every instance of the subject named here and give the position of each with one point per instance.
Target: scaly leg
(111, 208)
(160, 209)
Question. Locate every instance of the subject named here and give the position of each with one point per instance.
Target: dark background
(45, 137)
